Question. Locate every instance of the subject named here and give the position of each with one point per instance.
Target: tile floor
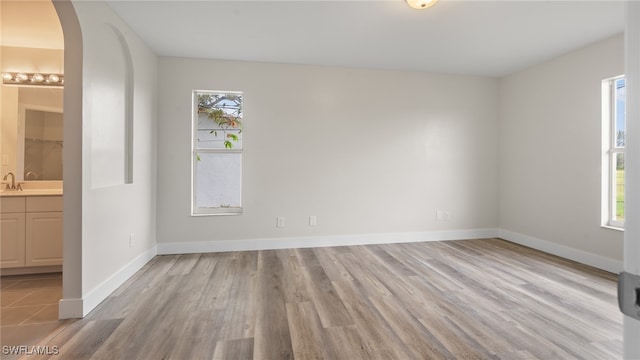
(29, 307)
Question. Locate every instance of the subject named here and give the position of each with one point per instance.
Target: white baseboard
(100, 292)
(321, 241)
(70, 309)
(597, 261)
(78, 308)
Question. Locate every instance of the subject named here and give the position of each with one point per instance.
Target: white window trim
(609, 152)
(200, 211)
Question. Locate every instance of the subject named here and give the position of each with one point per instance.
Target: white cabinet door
(12, 248)
(44, 239)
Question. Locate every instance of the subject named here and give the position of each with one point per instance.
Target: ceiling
(488, 38)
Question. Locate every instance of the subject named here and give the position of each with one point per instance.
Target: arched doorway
(40, 49)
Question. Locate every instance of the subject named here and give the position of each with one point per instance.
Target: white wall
(71, 303)
(111, 213)
(632, 167)
(550, 154)
(365, 151)
(32, 60)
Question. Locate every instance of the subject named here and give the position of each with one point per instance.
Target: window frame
(610, 154)
(195, 151)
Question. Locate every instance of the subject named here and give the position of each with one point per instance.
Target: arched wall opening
(71, 303)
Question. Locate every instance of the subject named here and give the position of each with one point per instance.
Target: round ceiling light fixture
(421, 4)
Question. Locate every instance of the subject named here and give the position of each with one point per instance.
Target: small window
(613, 171)
(217, 153)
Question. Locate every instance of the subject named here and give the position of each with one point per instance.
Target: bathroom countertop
(31, 192)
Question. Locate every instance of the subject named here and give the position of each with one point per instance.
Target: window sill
(612, 227)
(237, 211)
(225, 214)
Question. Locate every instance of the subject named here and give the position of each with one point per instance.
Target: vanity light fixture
(32, 79)
(421, 4)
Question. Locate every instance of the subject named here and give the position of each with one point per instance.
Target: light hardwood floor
(472, 299)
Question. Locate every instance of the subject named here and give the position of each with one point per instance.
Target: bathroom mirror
(42, 144)
(32, 132)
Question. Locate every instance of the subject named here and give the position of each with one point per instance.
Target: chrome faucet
(13, 181)
(31, 175)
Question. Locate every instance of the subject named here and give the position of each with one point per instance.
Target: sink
(34, 188)
(30, 192)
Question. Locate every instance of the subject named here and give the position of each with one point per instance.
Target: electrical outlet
(280, 221)
(313, 220)
(131, 240)
(443, 215)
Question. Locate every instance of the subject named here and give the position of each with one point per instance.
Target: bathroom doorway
(32, 64)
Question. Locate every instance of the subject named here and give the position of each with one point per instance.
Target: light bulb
(21, 77)
(7, 77)
(37, 78)
(53, 78)
(421, 4)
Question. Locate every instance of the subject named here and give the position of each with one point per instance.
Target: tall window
(614, 125)
(217, 153)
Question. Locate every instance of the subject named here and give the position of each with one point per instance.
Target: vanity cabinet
(12, 225)
(31, 231)
(43, 231)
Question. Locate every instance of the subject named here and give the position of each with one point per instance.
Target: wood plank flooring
(472, 299)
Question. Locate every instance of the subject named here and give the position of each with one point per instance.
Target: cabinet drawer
(12, 204)
(44, 203)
